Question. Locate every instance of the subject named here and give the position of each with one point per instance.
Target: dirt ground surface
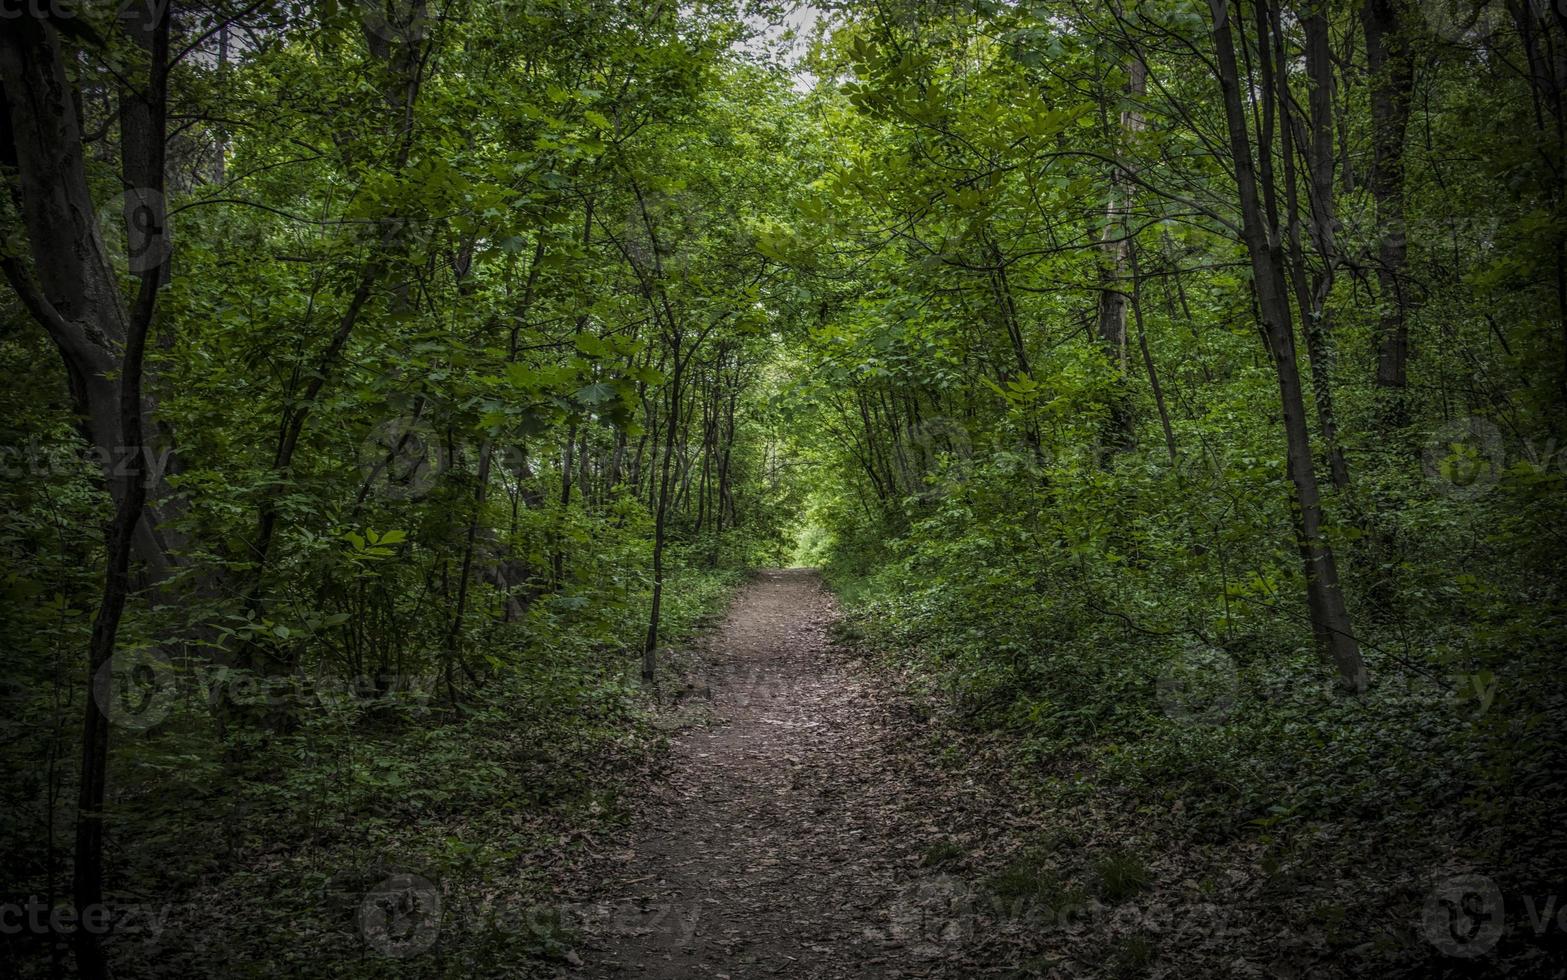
(792, 835)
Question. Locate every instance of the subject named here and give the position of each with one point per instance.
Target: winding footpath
(787, 839)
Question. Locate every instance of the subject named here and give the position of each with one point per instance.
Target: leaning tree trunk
(1312, 291)
(1325, 600)
(71, 289)
(70, 285)
(142, 123)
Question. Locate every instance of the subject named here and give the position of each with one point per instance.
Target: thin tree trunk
(482, 486)
(1142, 343)
(1110, 315)
(1330, 617)
(661, 515)
(1311, 294)
(144, 156)
(557, 558)
(1392, 82)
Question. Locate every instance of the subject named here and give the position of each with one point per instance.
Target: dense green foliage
(1126, 606)
(486, 340)
(412, 373)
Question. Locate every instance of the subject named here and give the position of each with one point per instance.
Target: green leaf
(596, 393)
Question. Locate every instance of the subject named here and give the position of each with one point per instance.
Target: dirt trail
(787, 839)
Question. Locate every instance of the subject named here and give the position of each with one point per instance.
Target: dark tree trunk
(70, 287)
(661, 514)
(1325, 600)
(1311, 292)
(1392, 81)
(143, 133)
(1142, 343)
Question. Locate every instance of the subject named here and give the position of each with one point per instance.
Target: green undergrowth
(286, 862)
(1223, 764)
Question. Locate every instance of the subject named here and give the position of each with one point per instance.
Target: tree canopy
(1172, 390)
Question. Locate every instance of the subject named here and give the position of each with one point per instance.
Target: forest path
(788, 835)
